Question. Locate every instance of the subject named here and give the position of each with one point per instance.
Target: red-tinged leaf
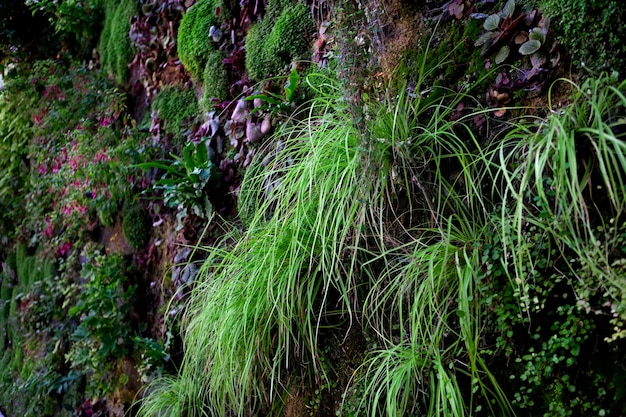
(521, 37)
(456, 10)
(544, 24)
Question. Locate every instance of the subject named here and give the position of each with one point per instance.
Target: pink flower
(64, 249)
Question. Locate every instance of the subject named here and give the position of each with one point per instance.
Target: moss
(279, 39)
(136, 227)
(194, 43)
(176, 107)
(598, 49)
(215, 80)
(116, 50)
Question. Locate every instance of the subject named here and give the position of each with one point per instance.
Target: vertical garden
(291, 208)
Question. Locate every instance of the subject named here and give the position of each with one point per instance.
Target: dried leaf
(456, 9)
(521, 37)
(500, 112)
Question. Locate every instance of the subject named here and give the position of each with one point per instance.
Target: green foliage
(601, 48)
(177, 107)
(15, 129)
(215, 81)
(78, 18)
(194, 43)
(257, 314)
(187, 181)
(116, 50)
(136, 226)
(282, 37)
(104, 332)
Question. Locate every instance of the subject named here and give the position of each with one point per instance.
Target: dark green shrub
(215, 80)
(280, 38)
(136, 227)
(194, 43)
(116, 50)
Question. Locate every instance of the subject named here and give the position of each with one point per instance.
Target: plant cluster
(326, 245)
(521, 36)
(199, 31)
(136, 226)
(70, 155)
(187, 182)
(283, 36)
(177, 108)
(103, 333)
(116, 50)
(599, 49)
(153, 35)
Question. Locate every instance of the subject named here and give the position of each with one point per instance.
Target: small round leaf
(530, 47)
(492, 22)
(537, 34)
(502, 54)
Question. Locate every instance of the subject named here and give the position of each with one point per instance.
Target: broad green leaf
(484, 38)
(508, 9)
(502, 54)
(530, 47)
(202, 156)
(291, 85)
(537, 34)
(492, 22)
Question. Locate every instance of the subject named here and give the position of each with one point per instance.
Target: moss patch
(216, 81)
(116, 50)
(194, 43)
(280, 38)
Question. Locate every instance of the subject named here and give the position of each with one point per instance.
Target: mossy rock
(194, 44)
(215, 80)
(136, 226)
(116, 50)
(281, 38)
